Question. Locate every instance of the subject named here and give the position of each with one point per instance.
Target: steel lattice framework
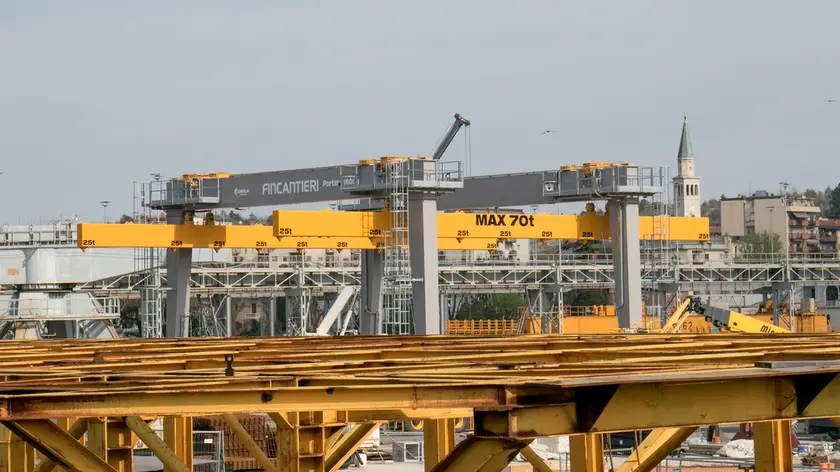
(736, 276)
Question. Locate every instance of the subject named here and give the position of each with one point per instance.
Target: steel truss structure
(496, 275)
(326, 394)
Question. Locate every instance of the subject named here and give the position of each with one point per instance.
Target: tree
(588, 297)
(126, 219)
(764, 242)
(711, 209)
(497, 306)
(834, 203)
(128, 324)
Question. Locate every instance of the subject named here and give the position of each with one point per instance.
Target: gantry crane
(419, 187)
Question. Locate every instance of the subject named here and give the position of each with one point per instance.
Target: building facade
(793, 218)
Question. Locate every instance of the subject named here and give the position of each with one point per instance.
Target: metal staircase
(396, 317)
(148, 261)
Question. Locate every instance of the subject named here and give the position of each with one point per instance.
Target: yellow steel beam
(438, 440)
(773, 450)
(488, 226)
(77, 431)
(348, 444)
(291, 399)
(287, 441)
(474, 452)
(98, 437)
(249, 443)
(158, 446)
(655, 448)
(535, 460)
(252, 237)
(500, 461)
(586, 452)
(58, 445)
(630, 407)
(406, 414)
(178, 434)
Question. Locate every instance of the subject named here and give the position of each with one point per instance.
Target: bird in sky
(548, 131)
(831, 100)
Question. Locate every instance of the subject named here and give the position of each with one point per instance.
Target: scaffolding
(148, 261)
(396, 317)
(658, 251)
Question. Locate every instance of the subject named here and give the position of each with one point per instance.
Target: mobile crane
(719, 317)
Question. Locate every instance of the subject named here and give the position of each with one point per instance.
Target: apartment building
(791, 217)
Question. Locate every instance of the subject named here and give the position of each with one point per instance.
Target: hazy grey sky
(97, 94)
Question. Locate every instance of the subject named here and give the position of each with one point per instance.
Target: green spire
(685, 142)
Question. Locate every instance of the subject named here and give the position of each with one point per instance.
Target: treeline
(231, 216)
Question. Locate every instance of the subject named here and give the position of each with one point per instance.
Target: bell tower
(686, 183)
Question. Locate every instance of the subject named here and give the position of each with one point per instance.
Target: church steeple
(685, 142)
(686, 183)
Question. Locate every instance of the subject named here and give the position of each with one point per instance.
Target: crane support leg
(627, 263)
(422, 236)
(178, 272)
(373, 270)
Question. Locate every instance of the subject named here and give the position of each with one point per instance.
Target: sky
(96, 94)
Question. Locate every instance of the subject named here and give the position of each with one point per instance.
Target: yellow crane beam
(488, 225)
(365, 230)
(219, 237)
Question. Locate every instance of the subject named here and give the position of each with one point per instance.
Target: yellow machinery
(600, 319)
(719, 317)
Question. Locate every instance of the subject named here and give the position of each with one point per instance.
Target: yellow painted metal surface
(482, 327)
(586, 452)
(655, 448)
(488, 225)
(773, 450)
(219, 237)
(438, 440)
(155, 443)
(48, 436)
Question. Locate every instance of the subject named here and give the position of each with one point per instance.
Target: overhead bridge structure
(327, 394)
(398, 280)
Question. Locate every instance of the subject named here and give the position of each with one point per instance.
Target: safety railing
(51, 308)
(421, 172)
(56, 234)
(177, 192)
(482, 327)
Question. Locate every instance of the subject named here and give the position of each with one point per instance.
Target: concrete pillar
(178, 272)
(422, 237)
(539, 305)
(228, 316)
(291, 310)
(445, 312)
(627, 261)
(370, 303)
(272, 316)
